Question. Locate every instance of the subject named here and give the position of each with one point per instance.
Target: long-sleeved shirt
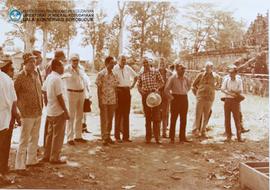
(28, 90)
(177, 85)
(74, 79)
(205, 86)
(230, 85)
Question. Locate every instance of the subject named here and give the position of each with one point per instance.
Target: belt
(70, 90)
(123, 87)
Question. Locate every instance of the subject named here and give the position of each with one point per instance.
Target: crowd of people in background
(63, 87)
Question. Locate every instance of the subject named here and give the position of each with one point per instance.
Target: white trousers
(74, 124)
(28, 145)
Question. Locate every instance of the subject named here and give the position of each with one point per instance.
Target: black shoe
(110, 141)
(4, 181)
(158, 142)
(71, 143)
(241, 140)
(39, 164)
(22, 172)
(105, 143)
(81, 140)
(118, 140)
(127, 140)
(148, 142)
(228, 140)
(245, 130)
(58, 162)
(44, 160)
(185, 140)
(172, 141)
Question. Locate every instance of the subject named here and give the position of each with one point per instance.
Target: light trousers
(28, 145)
(74, 127)
(203, 108)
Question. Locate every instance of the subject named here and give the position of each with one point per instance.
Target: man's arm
(168, 87)
(196, 83)
(15, 113)
(63, 105)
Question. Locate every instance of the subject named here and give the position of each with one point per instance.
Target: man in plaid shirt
(150, 81)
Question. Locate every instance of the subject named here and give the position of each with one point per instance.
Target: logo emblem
(15, 15)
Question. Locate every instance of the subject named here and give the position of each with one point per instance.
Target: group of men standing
(64, 88)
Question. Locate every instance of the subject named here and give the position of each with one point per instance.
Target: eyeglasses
(75, 60)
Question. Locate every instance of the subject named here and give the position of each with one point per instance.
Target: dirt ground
(202, 164)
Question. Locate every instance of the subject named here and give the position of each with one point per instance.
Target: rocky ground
(202, 164)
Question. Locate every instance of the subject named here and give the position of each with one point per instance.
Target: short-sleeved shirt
(150, 81)
(8, 96)
(125, 75)
(54, 87)
(107, 84)
(28, 90)
(232, 85)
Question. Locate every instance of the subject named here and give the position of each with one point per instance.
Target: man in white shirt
(127, 79)
(74, 82)
(232, 86)
(8, 115)
(57, 113)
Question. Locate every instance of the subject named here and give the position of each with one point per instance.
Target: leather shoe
(71, 143)
(118, 140)
(39, 164)
(245, 130)
(127, 140)
(81, 140)
(58, 162)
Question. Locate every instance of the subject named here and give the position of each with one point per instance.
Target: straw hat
(153, 100)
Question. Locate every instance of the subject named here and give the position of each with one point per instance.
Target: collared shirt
(54, 87)
(8, 96)
(28, 90)
(125, 75)
(232, 85)
(107, 84)
(177, 85)
(150, 81)
(74, 79)
(37, 69)
(205, 85)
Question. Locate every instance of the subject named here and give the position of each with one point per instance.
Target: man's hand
(18, 119)
(66, 115)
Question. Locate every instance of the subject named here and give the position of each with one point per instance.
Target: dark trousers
(122, 113)
(5, 141)
(179, 106)
(232, 106)
(55, 137)
(152, 118)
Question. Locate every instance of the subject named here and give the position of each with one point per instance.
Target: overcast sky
(246, 10)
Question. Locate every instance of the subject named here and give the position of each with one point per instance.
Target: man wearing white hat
(204, 87)
(232, 86)
(177, 88)
(149, 83)
(8, 114)
(75, 86)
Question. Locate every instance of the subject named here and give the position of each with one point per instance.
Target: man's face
(180, 71)
(75, 62)
(60, 69)
(232, 74)
(162, 64)
(146, 64)
(30, 65)
(38, 60)
(110, 65)
(123, 61)
(209, 69)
